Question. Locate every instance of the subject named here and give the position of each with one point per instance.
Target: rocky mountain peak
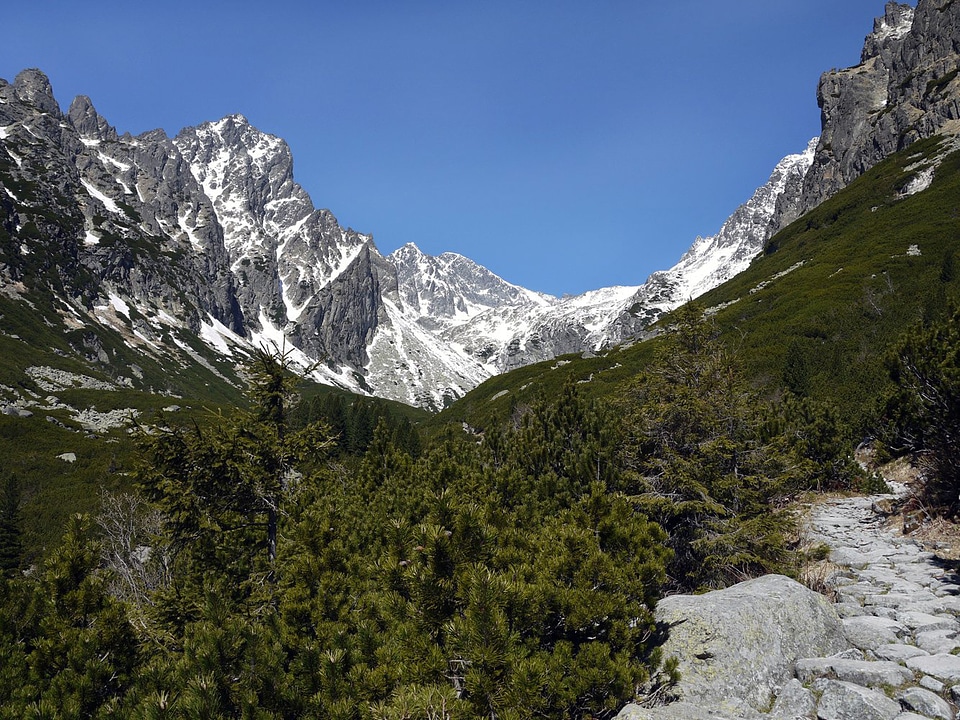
(717, 258)
(450, 288)
(33, 87)
(894, 25)
(230, 155)
(88, 122)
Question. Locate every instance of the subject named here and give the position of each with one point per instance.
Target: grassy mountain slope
(94, 370)
(817, 311)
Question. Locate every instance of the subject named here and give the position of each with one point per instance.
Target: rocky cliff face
(207, 231)
(905, 88)
(94, 207)
(298, 271)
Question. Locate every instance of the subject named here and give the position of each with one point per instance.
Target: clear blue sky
(565, 145)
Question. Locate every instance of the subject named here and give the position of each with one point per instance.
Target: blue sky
(565, 145)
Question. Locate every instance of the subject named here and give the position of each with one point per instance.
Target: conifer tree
(69, 640)
(705, 471)
(11, 547)
(923, 414)
(221, 488)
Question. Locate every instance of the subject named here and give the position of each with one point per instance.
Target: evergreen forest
(262, 568)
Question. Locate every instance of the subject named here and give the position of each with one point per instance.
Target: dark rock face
(88, 122)
(101, 209)
(904, 89)
(343, 315)
(32, 87)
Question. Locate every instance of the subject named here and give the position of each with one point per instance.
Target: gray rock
(897, 653)
(925, 703)
(861, 672)
(794, 701)
(674, 711)
(15, 411)
(869, 632)
(946, 589)
(856, 593)
(741, 643)
(884, 612)
(932, 684)
(848, 609)
(924, 622)
(850, 654)
(945, 668)
(846, 701)
(949, 604)
(937, 642)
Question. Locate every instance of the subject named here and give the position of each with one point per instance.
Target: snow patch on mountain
(408, 363)
(107, 202)
(897, 28)
(713, 260)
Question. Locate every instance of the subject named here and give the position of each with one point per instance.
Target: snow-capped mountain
(516, 334)
(449, 290)
(713, 260)
(194, 250)
(208, 234)
(506, 327)
(499, 324)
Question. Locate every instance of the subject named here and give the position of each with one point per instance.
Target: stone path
(895, 634)
(899, 605)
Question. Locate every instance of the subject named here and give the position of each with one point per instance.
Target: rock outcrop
(738, 646)
(905, 88)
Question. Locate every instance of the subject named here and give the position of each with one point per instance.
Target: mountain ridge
(208, 233)
(259, 264)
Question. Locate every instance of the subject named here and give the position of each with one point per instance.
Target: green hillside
(104, 374)
(816, 312)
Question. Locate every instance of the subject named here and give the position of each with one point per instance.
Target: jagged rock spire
(87, 121)
(33, 87)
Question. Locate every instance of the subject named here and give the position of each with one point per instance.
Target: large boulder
(738, 646)
(845, 701)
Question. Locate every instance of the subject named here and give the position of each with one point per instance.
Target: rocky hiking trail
(884, 646)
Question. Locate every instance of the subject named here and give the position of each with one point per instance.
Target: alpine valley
(473, 500)
(191, 251)
(156, 265)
